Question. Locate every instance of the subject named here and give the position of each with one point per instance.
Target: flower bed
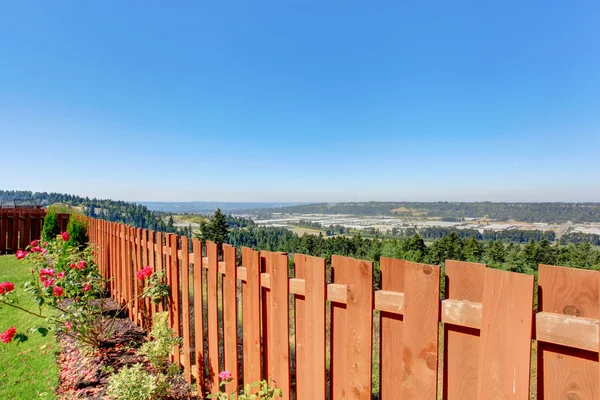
(102, 353)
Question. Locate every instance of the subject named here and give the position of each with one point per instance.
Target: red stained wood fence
(474, 344)
(20, 226)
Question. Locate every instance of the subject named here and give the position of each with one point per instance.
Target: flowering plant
(265, 391)
(65, 280)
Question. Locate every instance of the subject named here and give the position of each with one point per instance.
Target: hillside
(526, 212)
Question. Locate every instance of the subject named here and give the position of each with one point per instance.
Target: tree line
(456, 211)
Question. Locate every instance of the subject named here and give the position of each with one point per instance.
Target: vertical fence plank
(251, 312)
(392, 279)
(420, 331)
(198, 317)
(27, 231)
(464, 281)
(152, 262)
(505, 349)
(230, 337)
(564, 372)
(310, 329)
(15, 232)
(3, 231)
(137, 266)
(278, 310)
(213, 316)
(160, 264)
(175, 297)
(352, 330)
(185, 305)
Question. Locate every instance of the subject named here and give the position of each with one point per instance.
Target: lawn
(27, 370)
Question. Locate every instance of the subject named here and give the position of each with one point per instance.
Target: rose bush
(65, 279)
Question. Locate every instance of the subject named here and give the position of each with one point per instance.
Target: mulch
(86, 376)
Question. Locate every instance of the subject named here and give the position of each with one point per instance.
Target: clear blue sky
(301, 100)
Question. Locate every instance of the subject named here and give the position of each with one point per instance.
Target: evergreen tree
(219, 228)
(50, 228)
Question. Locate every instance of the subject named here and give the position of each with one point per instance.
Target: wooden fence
(19, 226)
(316, 339)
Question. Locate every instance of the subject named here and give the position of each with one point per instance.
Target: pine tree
(219, 228)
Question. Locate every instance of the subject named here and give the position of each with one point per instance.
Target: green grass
(27, 370)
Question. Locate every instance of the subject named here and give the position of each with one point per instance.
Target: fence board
(3, 232)
(175, 293)
(505, 335)
(185, 308)
(420, 342)
(198, 317)
(251, 312)
(464, 281)
(160, 264)
(352, 330)
(213, 317)
(310, 329)
(564, 372)
(230, 316)
(392, 279)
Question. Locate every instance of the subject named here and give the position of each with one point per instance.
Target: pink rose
(8, 335)
(48, 282)
(86, 287)
(60, 275)
(6, 287)
(223, 375)
(34, 243)
(45, 244)
(21, 254)
(68, 325)
(36, 249)
(82, 265)
(65, 236)
(44, 252)
(57, 291)
(46, 272)
(140, 275)
(147, 271)
(73, 265)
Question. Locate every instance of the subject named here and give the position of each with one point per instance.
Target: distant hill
(526, 212)
(207, 206)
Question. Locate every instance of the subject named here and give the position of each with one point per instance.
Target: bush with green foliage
(163, 339)
(133, 383)
(50, 228)
(77, 230)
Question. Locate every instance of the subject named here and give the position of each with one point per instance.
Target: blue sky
(301, 100)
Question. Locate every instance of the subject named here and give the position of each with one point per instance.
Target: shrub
(50, 228)
(157, 351)
(132, 383)
(77, 230)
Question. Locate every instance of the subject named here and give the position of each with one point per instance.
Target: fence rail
(315, 339)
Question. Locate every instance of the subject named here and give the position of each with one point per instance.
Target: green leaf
(21, 337)
(42, 331)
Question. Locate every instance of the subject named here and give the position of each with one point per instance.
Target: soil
(85, 376)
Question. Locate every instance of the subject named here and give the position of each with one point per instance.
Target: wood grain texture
(566, 372)
(185, 310)
(251, 313)
(464, 281)
(230, 316)
(392, 331)
(420, 343)
(137, 263)
(175, 294)
(160, 265)
(279, 321)
(152, 263)
(198, 317)
(505, 348)
(212, 382)
(352, 330)
(310, 329)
